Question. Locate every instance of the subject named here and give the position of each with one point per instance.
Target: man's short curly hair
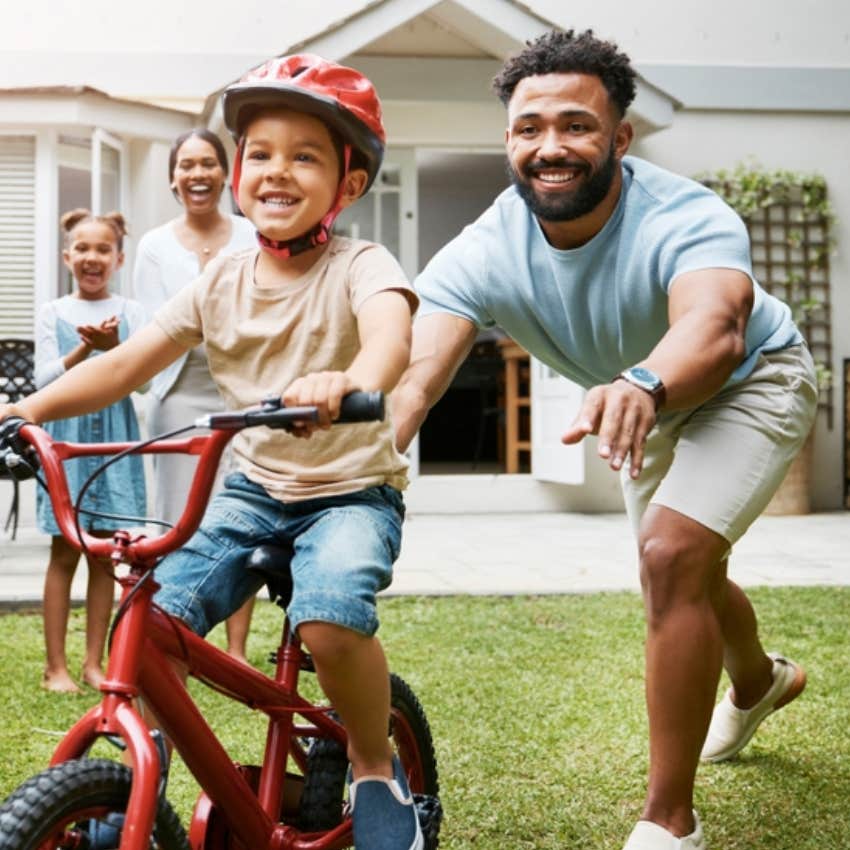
(564, 52)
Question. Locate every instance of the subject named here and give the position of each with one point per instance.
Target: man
(637, 284)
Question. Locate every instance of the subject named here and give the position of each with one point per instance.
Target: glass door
(387, 214)
(555, 403)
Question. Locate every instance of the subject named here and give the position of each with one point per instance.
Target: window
(89, 177)
(17, 235)
(74, 156)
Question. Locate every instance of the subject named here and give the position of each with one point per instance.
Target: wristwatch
(647, 380)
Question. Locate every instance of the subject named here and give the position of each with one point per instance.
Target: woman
(168, 258)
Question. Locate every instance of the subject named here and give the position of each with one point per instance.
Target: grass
(536, 706)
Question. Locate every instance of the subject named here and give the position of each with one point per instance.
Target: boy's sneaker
(650, 836)
(105, 834)
(731, 727)
(383, 814)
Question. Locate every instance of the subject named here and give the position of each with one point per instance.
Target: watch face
(644, 376)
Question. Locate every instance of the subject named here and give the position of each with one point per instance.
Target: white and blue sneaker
(383, 813)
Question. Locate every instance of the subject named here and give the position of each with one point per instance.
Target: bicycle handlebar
(22, 443)
(355, 407)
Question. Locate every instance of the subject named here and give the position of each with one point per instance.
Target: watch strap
(658, 391)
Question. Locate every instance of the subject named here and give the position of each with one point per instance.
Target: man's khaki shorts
(721, 463)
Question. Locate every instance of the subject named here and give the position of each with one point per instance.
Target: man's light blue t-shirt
(590, 312)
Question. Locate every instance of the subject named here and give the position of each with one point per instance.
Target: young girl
(69, 330)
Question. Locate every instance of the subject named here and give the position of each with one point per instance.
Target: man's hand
(101, 337)
(323, 390)
(622, 415)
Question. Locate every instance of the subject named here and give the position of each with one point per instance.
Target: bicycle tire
(322, 805)
(65, 799)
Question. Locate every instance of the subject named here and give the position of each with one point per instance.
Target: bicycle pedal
(306, 665)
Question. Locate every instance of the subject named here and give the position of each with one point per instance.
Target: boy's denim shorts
(343, 551)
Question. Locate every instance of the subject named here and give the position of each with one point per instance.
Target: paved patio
(532, 554)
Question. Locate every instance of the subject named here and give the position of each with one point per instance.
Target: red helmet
(341, 97)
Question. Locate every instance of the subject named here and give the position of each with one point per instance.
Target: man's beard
(565, 206)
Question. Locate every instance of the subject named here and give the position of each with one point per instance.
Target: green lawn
(536, 706)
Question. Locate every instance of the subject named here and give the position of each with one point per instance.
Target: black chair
(17, 358)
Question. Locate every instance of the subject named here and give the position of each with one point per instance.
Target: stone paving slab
(544, 553)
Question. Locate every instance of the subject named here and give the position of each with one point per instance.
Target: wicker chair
(16, 381)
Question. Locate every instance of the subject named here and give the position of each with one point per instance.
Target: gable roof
(34, 106)
(441, 49)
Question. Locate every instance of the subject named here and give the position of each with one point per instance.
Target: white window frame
(99, 139)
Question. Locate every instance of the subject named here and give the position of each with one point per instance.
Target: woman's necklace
(216, 236)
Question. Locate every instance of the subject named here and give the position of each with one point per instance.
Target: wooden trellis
(847, 433)
(790, 252)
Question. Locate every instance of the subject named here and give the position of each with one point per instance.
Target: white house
(89, 105)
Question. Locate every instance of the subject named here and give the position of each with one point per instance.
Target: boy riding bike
(309, 316)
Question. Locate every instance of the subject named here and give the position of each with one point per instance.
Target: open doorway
(465, 431)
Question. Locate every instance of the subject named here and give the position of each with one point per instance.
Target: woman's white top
(163, 267)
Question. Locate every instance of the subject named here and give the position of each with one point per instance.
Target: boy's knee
(329, 643)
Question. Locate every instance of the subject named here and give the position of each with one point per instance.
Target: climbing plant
(790, 223)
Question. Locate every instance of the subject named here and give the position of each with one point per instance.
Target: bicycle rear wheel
(322, 804)
(79, 805)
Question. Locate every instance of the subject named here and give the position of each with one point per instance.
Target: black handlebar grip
(362, 407)
(9, 429)
(18, 459)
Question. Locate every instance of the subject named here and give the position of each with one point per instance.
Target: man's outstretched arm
(708, 312)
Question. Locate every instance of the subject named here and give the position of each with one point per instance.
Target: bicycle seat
(271, 562)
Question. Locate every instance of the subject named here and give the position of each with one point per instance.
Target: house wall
(700, 141)
(454, 189)
(184, 50)
(758, 32)
(151, 201)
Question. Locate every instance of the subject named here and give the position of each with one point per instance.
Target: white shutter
(17, 236)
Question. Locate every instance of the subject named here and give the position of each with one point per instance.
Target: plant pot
(793, 496)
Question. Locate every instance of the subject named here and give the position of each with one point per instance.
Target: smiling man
(637, 284)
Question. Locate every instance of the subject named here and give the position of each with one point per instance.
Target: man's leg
(745, 660)
(683, 588)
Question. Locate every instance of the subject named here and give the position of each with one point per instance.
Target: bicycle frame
(146, 640)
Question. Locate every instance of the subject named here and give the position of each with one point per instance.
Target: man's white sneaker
(731, 727)
(650, 836)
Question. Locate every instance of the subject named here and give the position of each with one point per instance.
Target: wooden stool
(517, 404)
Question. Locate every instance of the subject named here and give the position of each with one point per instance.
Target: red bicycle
(295, 800)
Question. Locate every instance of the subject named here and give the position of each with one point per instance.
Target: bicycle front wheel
(79, 804)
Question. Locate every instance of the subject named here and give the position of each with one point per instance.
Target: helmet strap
(320, 234)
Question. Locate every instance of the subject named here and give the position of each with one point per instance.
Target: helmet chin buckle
(292, 247)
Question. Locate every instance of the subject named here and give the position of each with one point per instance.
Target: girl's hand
(101, 337)
(323, 390)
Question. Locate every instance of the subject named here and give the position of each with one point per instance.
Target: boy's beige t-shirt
(260, 340)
